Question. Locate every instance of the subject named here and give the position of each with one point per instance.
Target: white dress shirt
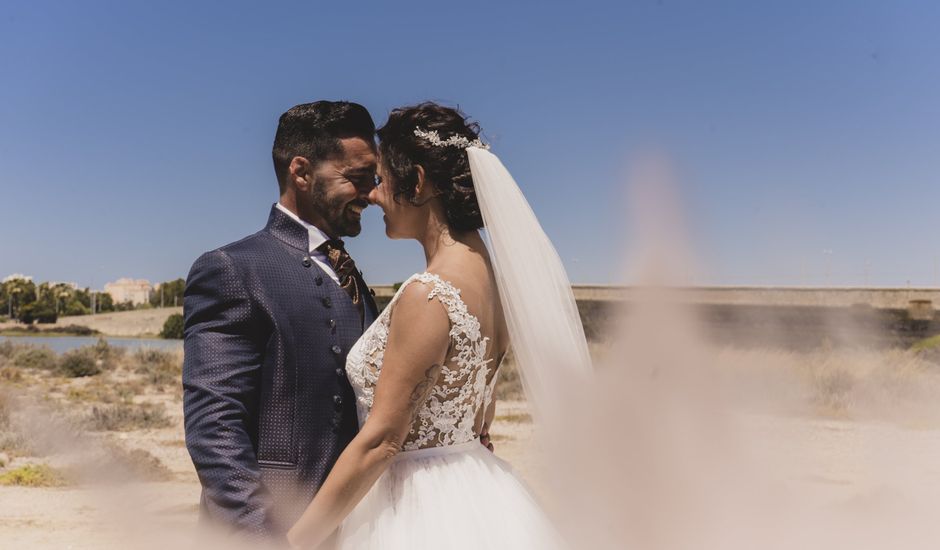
(317, 238)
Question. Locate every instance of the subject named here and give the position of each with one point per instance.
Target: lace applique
(449, 414)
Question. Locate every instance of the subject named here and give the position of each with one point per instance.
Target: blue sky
(136, 135)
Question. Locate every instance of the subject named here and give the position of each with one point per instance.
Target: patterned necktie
(349, 277)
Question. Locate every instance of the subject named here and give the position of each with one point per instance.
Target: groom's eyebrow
(362, 170)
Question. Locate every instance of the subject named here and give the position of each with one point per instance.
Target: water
(61, 344)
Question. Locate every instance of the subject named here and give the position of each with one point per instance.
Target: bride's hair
(448, 168)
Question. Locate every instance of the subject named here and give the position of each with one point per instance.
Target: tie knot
(332, 244)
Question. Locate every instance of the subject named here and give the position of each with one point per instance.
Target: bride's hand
(485, 437)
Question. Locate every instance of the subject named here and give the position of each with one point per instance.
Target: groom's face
(341, 187)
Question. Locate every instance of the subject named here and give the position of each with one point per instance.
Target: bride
(416, 475)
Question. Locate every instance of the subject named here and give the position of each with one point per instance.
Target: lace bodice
(450, 412)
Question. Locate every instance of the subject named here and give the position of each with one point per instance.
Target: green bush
(80, 362)
(76, 308)
(33, 475)
(173, 327)
(25, 314)
(927, 344)
(37, 311)
(35, 358)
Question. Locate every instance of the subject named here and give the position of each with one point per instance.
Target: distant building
(135, 291)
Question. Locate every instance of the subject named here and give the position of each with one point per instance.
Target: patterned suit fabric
(267, 406)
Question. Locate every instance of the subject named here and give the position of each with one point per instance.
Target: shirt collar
(316, 236)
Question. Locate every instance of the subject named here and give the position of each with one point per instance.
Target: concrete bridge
(789, 317)
(879, 298)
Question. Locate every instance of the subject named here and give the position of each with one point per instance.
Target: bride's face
(402, 219)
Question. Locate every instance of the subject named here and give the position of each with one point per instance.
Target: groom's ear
(300, 169)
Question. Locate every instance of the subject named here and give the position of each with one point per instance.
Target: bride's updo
(447, 167)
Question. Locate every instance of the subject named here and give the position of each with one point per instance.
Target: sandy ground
(83, 516)
(144, 322)
(822, 460)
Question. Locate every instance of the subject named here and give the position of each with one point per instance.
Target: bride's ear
(422, 183)
(424, 190)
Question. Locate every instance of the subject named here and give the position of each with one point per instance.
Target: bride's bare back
(458, 299)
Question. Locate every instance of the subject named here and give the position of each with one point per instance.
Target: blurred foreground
(687, 447)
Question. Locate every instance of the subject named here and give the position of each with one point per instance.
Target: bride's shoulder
(414, 310)
(426, 287)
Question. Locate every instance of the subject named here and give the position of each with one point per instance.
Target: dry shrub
(137, 463)
(124, 417)
(80, 362)
(159, 368)
(108, 353)
(7, 349)
(515, 418)
(103, 390)
(508, 382)
(890, 384)
(90, 360)
(12, 441)
(5, 411)
(35, 357)
(10, 374)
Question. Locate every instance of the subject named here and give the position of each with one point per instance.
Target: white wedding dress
(444, 489)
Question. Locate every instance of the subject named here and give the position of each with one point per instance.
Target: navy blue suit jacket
(266, 402)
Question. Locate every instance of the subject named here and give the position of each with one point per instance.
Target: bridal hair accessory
(455, 140)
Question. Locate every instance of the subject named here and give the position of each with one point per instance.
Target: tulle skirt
(455, 497)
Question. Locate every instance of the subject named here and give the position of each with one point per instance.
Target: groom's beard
(342, 218)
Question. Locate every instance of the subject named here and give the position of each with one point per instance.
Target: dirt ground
(823, 457)
(825, 460)
(144, 322)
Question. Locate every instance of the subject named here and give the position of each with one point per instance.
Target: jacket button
(336, 349)
(318, 280)
(341, 373)
(337, 402)
(307, 262)
(327, 302)
(332, 323)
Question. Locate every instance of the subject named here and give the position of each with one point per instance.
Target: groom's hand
(485, 437)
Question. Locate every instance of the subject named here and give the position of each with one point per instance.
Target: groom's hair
(313, 131)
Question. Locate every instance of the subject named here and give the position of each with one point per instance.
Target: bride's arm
(417, 346)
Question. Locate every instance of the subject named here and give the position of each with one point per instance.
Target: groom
(269, 321)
